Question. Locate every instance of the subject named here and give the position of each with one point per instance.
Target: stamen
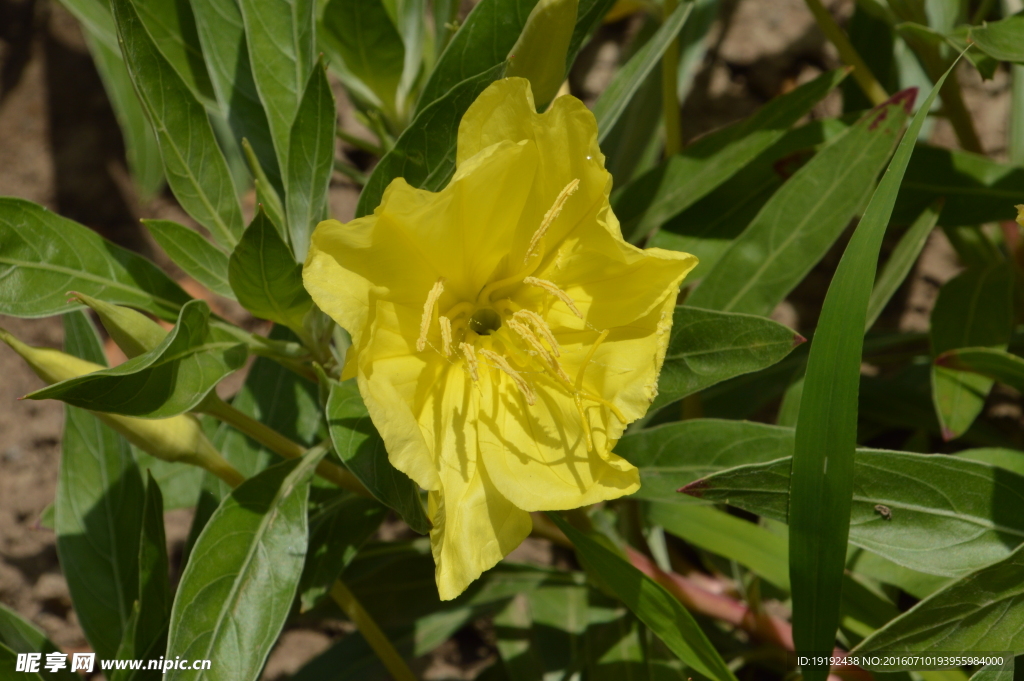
(549, 217)
(428, 312)
(501, 363)
(553, 289)
(527, 335)
(470, 354)
(541, 326)
(585, 420)
(446, 335)
(590, 356)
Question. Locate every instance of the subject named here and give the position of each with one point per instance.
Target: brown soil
(60, 146)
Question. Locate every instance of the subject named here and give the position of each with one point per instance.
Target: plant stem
(359, 143)
(984, 9)
(380, 643)
(350, 172)
(669, 90)
(861, 73)
(277, 443)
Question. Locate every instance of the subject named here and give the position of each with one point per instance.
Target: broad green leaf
(146, 637)
(802, 220)
(360, 446)
(9, 660)
(222, 36)
(826, 432)
(98, 512)
(43, 256)
(140, 145)
(973, 309)
(901, 261)
(708, 227)
(172, 26)
(949, 516)
(675, 454)
(917, 584)
(265, 277)
(994, 672)
(481, 45)
(654, 197)
(706, 347)
(336, 532)
(541, 633)
(196, 170)
(651, 603)
(976, 189)
(1008, 459)
(310, 161)
(279, 37)
(241, 578)
(425, 153)
(589, 15)
(179, 484)
(200, 259)
(994, 363)
(96, 19)
(754, 547)
(362, 35)
(616, 97)
(1003, 40)
(980, 612)
(170, 379)
(18, 635)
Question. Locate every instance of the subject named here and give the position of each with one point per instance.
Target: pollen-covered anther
(549, 217)
(446, 335)
(470, 354)
(540, 326)
(553, 289)
(501, 363)
(428, 313)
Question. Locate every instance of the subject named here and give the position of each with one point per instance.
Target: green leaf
(589, 15)
(9, 660)
(1003, 40)
(98, 512)
(222, 35)
(425, 153)
(170, 379)
(973, 309)
(976, 189)
(172, 26)
(362, 36)
(310, 161)
(480, 46)
(901, 261)
(949, 516)
(802, 220)
(675, 454)
(616, 97)
(708, 227)
(750, 545)
(195, 167)
(654, 197)
(242, 575)
(979, 612)
(651, 603)
(826, 432)
(265, 277)
(1008, 459)
(991, 362)
(18, 635)
(140, 145)
(336, 532)
(360, 446)
(179, 484)
(200, 259)
(42, 256)
(707, 347)
(279, 36)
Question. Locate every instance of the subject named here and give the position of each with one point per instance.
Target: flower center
(485, 321)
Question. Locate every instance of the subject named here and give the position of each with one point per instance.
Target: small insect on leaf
(883, 511)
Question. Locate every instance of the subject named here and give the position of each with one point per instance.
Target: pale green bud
(178, 439)
(134, 332)
(540, 53)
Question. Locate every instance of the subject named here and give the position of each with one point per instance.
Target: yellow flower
(503, 332)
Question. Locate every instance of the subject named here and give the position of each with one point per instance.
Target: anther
(501, 363)
(541, 327)
(428, 312)
(446, 335)
(470, 354)
(549, 217)
(553, 289)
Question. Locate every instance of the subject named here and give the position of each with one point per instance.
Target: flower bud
(134, 332)
(1020, 214)
(540, 53)
(178, 439)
